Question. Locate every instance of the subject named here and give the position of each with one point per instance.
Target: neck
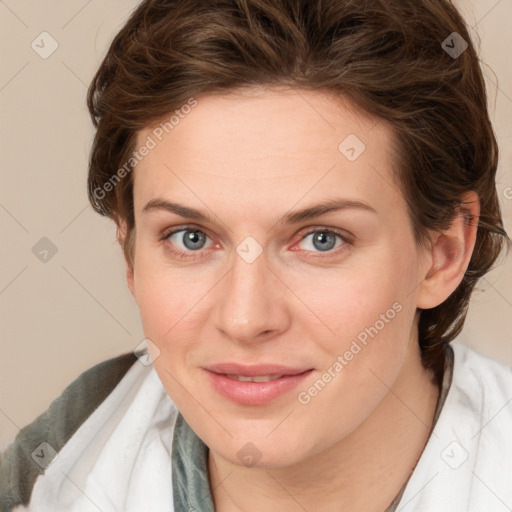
(364, 471)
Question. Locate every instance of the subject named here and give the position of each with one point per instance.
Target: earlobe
(450, 254)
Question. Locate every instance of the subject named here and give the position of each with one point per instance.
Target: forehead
(286, 121)
(280, 146)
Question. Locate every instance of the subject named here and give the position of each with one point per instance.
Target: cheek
(364, 356)
(166, 302)
(350, 300)
(366, 314)
(167, 299)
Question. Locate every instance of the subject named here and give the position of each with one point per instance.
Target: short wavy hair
(390, 57)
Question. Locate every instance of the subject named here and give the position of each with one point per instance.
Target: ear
(121, 238)
(450, 254)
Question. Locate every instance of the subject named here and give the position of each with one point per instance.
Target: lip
(255, 393)
(254, 370)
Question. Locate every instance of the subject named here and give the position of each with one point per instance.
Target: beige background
(60, 317)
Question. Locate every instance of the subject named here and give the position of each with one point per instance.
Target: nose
(252, 305)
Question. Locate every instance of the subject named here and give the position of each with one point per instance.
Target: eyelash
(193, 254)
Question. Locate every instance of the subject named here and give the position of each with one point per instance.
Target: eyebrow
(311, 212)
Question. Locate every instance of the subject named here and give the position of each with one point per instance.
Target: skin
(246, 159)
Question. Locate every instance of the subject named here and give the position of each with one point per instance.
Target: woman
(305, 195)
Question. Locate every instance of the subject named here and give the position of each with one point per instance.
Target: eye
(323, 240)
(186, 240)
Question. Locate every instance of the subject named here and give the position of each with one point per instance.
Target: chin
(257, 452)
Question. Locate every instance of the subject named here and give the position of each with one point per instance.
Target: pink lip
(255, 393)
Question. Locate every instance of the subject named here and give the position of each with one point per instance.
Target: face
(250, 283)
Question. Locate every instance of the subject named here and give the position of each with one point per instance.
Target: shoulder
(481, 379)
(479, 405)
(467, 460)
(19, 466)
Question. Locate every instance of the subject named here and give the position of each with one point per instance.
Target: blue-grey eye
(323, 240)
(192, 240)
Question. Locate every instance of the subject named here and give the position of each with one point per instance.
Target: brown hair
(385, 55)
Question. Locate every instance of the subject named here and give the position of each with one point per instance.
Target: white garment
(120, 457)
(467, 463)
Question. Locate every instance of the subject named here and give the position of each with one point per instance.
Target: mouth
(255, 370)
(257, 378)
(254, 390)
